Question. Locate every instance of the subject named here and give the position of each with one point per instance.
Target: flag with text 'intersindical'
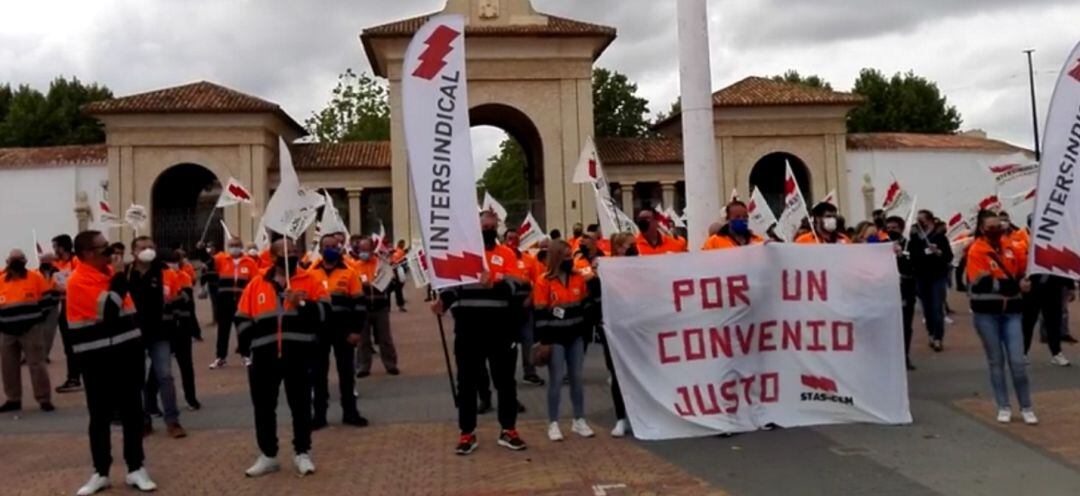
(437, 137)
(1055, 227)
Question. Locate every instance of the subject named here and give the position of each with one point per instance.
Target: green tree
(903, 103)
(675, 109)
(359, 110)
(505, 179)
(30, 118)
(617, 110)
(793, 76)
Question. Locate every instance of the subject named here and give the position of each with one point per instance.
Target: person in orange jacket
(187, 325)
(24, 295)
(650, 240)
(736, 232)
(233, 270)
(109, 348)
(530, 270)
(278, 317)
(376, 331)
(397, 261)
(826, 227)
(996, 278)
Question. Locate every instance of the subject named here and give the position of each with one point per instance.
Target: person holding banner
(995, 274)
(650, 241)
(895, 227)
(827, 228)
(278, 315)
(376, 329)
(562, 304)
(736, 232)
(931, 257)
(232, 271)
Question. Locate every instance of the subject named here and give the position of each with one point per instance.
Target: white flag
(492, 205)
(233, 193)
(292, 209)
(529, 233)
(418, 266)
(734, 195)
(106, 215)
(136, 217)
(762, 218)
(898, 202)
(262, 236)
(794, 207)
(675, 219)
(1022, 197)
(1009, 172)
(589, 169)
(331, 221)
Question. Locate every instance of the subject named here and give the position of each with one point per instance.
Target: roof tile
(901, 141)
(200, 97)
(758, 91)
(639, 151)
(354, 155)
(556, 26)
(25, 158)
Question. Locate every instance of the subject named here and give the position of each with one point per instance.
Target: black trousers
(225, 313)
(399, 293)
(265, 376)
(1046, 299)
(908, 295)
(473, 350)
(616, 392)
(344, 354)
(73, 371)
(180, 343)
(114, 383)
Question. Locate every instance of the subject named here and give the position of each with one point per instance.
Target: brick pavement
(1058, 431)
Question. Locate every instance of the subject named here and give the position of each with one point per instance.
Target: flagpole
(446, 355)
(37, 256)
(206, 228)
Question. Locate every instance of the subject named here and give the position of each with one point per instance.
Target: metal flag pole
(206, 228)
(446, 355)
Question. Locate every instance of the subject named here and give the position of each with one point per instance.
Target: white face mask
(829, 224)
(1005, 225)
(148, 255)
(235, 251)
(253, 252)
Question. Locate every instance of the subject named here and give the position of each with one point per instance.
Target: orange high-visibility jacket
(561, 308)
(261, 306)
(22, 301)
(346, 297)
(667, 244)
(724, 242)
(994, 275)
(234, 273)
(810, 239)
(99, 318)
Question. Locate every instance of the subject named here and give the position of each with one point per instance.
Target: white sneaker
(96, 483)
(304, 465)
(949, 320)
(140, 480)
(581, 428)
(621, 428)
(1029, 417)
(1060, 360)
(554, 433)
(246, 361)
(217, 363)
(264, 465)
(1004, 415)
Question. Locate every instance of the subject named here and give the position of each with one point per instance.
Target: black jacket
(926, 266)
(147, 290)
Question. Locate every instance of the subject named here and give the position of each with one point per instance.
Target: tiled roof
(914, 141)
(355, 155)
(197, 98)
(22, 158)
(639, 151)
(758, 91)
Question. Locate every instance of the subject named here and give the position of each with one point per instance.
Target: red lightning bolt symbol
(239, 192)
(433, 59)
(525, 228)
(1075, 72)
(820, 383)
(890, 196)
(789, 186)
(454, 267)
(1053, 258)
(592, 168)
(104, 207)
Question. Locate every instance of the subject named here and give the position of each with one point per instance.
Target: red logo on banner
(592, 168)
(434, 58)
(239, 192)
(104, 207)
(1051, 258)
(819, 383)
(1000, 169)
(1075, 72)
(454, 267)
(789, 186)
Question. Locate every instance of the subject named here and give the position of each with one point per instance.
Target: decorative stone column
(628, 197)
(668, 191)
(354, 209)
(868, 196)
(82, 211)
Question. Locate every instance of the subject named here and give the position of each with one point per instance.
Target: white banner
(1055, 227)
(734, 340)
(418, 266)
(436, 109)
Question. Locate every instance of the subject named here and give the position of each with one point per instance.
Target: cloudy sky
(290, 51)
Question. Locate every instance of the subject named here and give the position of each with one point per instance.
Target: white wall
(43, 199)
(946, 182)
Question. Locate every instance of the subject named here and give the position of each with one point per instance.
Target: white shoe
(96, 483)
(264, 465)
(1060, 360)
(554, 433)
(1029, 417)
(621, 428)
(304, 465)
(217, 363)
(1004, 415)
(246, 361)
(949, 320)
(581, 428)
(140, 480)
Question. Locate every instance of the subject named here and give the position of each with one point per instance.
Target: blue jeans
(566, 359)
(160, 354)
(932, 294)
(1003, 338)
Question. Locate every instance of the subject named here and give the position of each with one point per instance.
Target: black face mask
(47, 268)
(643, 225)
(490, 238)
(542, 256)
(566, 266)
(577, 233)
(291, 267)
(632, 251)
(17, 265)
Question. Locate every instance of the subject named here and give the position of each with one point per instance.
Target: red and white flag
(674, 218)
(794, 207)
(233, 193)
(106, 215)
(436, 111)
(958, 226)
(991, 203)
(1022, 197)
(492, 205)
(762, 217)
(1055, 227)
(589, 169)
(529, 232)
(734, 195)
(1009, 172)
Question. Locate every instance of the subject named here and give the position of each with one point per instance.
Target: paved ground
(953, 448)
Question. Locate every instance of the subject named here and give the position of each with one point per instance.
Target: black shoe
(402, 309)
(69, 386)
(533, 379)
(47, 407)
(362, 374)
(318, 422)
(485, 407)
(510, 440)
(194, 405)
(1068, 339)
(154, 411)
(521, 408)
(394, 371)
(11, 406)
(910, 367)
(466, 444)
(354, 419)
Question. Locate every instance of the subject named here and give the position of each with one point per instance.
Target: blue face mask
(364, 255)
(740, 226)
(873, 240)
(332, 255)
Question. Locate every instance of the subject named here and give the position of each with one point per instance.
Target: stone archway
(182, 200)
(768, 176)
(521, 129)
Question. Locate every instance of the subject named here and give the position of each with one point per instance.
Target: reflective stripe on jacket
(260, 307)
(99, 316)
(22, 301)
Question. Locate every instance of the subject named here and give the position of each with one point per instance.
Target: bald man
(22, 294)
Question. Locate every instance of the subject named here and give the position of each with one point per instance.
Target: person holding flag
(373, 271)
(931, 257)
(736, 232)
(232, 270)
(650, 241)
(825, 228)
